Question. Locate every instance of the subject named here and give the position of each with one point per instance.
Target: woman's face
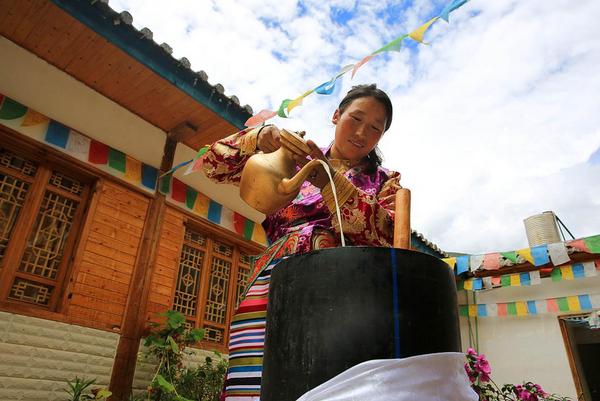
(358, 129)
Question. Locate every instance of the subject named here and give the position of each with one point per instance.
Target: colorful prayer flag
(593, 243)
(462, 264)
(558, 253)
(32, 118)
(149, 176)
(98, 153)
(201, 205)
(418, 33)
(178, 190)
(11, 109)
(525, 253)
(567, 272)
(475, 262)
(57, 134)
(451, 6)
(260, 118)
(78, 145)
(540, 255)
(491, 261)
(573, 303)
(214, 212)
(512, 256)
(133, 169)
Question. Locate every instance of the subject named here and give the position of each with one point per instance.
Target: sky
(496, 120)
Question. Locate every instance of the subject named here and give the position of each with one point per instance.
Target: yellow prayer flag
(450, 261)
(258, 234)
(525, 253)
(573, 303)
(201, 205)
(515, 280)
(294, 103)
(473, 310)
(468, 284)
(32, 117)
(521, 308)
(567, 272)
(133, 170)
(418, 33)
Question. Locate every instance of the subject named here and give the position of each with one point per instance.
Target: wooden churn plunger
(402, 219)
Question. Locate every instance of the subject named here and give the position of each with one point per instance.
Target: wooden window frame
(213, 233)
(47, 162)
(569, 347)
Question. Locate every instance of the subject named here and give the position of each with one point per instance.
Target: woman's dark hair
(374, 158)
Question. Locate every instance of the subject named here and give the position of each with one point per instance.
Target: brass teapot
(270, 181)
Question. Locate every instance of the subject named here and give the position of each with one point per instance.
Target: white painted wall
(528, 348)
(33, 82)
(39, 356)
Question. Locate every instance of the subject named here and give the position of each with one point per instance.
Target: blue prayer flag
(585, 302)
(57, 134)
(578, 270)
(531, 308)
(540, 255)
(214, 212)
(525, 279)
(481, 310)
(149, 175)
(462, 264)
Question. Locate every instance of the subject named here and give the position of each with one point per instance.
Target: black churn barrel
(334, 308)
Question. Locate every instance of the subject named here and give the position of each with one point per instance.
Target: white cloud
(493, 122)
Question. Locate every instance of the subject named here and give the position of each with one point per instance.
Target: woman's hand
(318, 177)
(268, 139)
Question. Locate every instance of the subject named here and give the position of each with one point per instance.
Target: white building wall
(528, 348)
(39, 356)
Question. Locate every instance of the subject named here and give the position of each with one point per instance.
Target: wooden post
(402, 219)
(121, 379)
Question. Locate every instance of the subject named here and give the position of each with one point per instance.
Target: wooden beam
(183, 132)
(135, 313)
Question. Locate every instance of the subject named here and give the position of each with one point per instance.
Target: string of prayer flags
(328, 87)
(572, 303)
(556, 254)
(523, 279)
(199, 204)
(68, 141)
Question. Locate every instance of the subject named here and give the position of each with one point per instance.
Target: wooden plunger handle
(402, 219)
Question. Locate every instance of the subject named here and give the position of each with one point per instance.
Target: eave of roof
(117, 29)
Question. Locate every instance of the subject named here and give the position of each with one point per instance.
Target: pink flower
(524, 394)
(471, 352)
(482, 368)
(471, 373)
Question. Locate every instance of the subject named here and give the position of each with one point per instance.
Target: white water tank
(542, 229)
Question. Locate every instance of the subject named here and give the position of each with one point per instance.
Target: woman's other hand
(318, 177)
(268, 139)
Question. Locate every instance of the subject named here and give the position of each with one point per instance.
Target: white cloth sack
(431, 377)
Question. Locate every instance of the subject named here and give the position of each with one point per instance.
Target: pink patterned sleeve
(225, 159)
(366, 219)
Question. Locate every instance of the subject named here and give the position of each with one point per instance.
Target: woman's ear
(336, 116)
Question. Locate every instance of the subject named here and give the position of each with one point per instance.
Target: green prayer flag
(281, 111)
(556, 274)
(165, 184)
(505, 281)
(393, 46)
(116, 160)
(190, 197)
(460, 285)
(593, 243)
(511, 307)
(11, 110)
(563, 305)
(463, 310)
(512, 256)
(248, 229)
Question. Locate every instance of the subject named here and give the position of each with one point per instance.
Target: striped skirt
(246, 342)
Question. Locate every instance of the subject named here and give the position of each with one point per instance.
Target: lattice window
(39, 209)
(211, 273)
(15, 172)
(12, 199)
(30, 291)
(46, 243)
(243, 275)
(216, 303)
(188, 280)
(214, 334)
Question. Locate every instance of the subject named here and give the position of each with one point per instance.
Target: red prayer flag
(178, 190)
(238, 223)
(579, 244)
(491, 261)
(98, 153)
(502, 311)
(552, 305)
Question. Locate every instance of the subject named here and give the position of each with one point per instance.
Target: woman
(365, 191)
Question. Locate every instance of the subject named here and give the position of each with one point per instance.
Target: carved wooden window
(41, 207)
(212, 276)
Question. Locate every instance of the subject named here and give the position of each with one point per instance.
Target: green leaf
(196, 334)
(103, 394)
(164, 384)
(175, 319)
(174, 345)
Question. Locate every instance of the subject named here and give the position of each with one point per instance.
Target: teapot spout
(292, 185)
